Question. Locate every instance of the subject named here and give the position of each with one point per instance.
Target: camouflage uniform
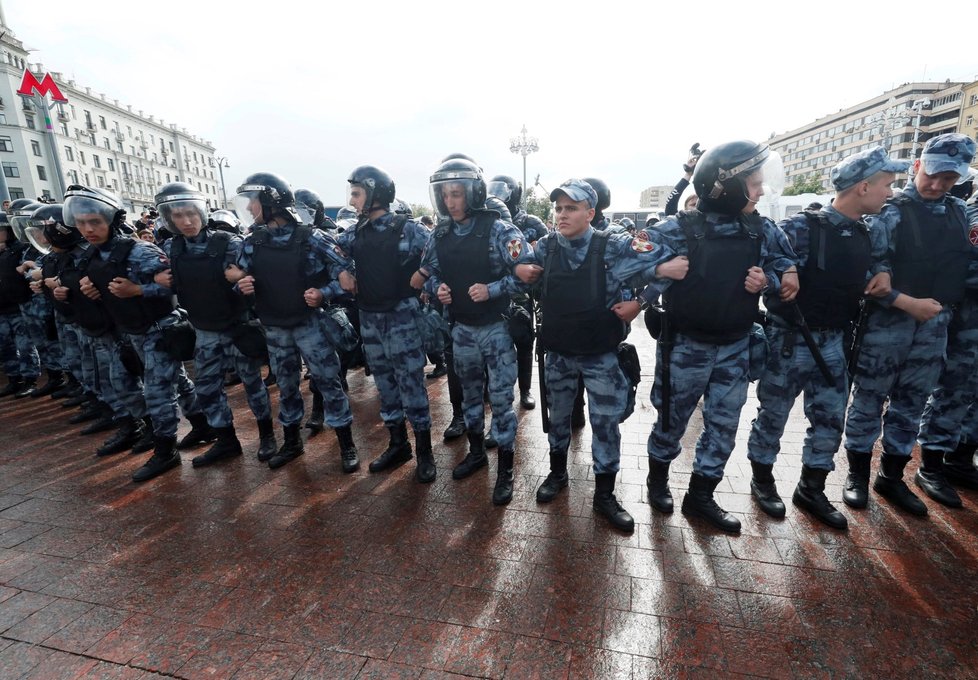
(38, 316)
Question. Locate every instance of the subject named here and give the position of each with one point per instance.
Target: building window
(64, 129)
(15, 193)
(101, 181)
(30, 122)
(3, 118)
(106, 144)
(42, 174)
(970, 121)
(132, 151)
(10, 170)
(115, 185)
(36, 147)
(167, 178)
(81, 157)
(111, 163)
(129, 128)
(171, 147)
(6, 144)
(101, 121)
(73, 176)
(69, 154)
(96, 161)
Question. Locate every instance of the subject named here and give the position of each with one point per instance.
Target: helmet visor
(80, 206)
(35, 236)
(453, 198)
(20, 221)
(184, 215)
(500, 190)
(247, 206)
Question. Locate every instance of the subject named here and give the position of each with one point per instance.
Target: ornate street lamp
(524, 146)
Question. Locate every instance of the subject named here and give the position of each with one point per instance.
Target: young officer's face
(573, 217)
(93, 228)
(453, 196)
(932, 187)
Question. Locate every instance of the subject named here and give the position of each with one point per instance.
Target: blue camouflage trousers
(392, 344)
(607, 390)
(76, 355)
(969, 428)
(900, 360)
(17, 352)
(119, 389)
(476, 348)
(944, 414)
(214, 350)
(36, 312)
(287, 348)
(718, 373)
(165, 384)
(787, 377)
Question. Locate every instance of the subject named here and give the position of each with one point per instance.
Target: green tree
(804, 184)
(421, 209)
(539, 206)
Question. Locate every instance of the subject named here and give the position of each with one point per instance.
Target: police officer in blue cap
(921, 237)
(734, 254)
(585, 298)
(834, 255)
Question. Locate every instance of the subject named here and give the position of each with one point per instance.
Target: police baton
(806, 333)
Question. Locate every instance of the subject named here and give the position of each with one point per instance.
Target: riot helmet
(400, 207)
(508, 190)
(628, 223)
(346, 217)
(47, 228)
(965, 185)
(461, 156)
(721, 175)
(225, 220)
(310, 207)
(458, 175)
(604, 195)
(81, 201)
(19, 214)
(263, 197)
(377, 185)
(180, 204)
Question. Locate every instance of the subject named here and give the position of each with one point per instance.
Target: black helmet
(507, 190)
(496, 203)
(273, 194)
(378, 185)
(720, 175)
(461, 156)
(400, 207)
(180, 196)
(81, 200)
(603, 192)
(47, 228)
(19, 214)
(465, 173)
(628, 223)
(310, 207)
(225, 220)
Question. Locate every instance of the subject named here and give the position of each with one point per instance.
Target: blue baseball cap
(861, 166)
(951, 152)
(576, 190)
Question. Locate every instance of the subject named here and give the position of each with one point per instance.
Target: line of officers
(893, 280)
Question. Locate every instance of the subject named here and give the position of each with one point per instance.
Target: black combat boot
(200, 432)
(930, 477)
(317, 414)
(71, 388)
(856, 492)
(765, 491)
(608, 506)
(502, 492)
(267, 446)
(165, 457)
(890, 485)
(698, 502)
(26, 388)
(959, 466)
(14, 385)
(91, 411)
(456, 428)
(810, 495)
(527, 401)
(148, 441)
(56, 380)
(426, 471)
(291, 448)
(348, 450)
(474, 459)
(122, 439)
(226, 446)
(557, 479)
(398, 449)
(106, 421)
(660, 497)
(73, 400)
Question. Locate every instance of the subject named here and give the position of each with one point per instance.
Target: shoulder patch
(640, 245)
(515, 247)
(973, 235)
(642, 235)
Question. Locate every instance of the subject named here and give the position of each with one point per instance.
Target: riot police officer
(385, 249)
(199, 256)
(17, 352)
(923, 240)
(469, 266)
(734, 254)
(291, 270)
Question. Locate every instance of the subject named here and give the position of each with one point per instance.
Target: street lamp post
(918, 106)
(222, 162)
(524, 146)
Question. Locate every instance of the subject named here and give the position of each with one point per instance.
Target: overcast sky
(612, 90)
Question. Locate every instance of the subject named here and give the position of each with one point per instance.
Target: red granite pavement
(304, 572)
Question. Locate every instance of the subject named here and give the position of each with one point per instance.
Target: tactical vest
(14, 288)
(135, 315)
(280, 277)
(834, 278)
(382, 279)
(576, 318)
(932, 253)
(198, 278)
(53, 265)
(464, 261)
(710, 304)
(90, 315)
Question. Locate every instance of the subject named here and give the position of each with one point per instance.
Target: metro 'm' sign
(29, 85)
